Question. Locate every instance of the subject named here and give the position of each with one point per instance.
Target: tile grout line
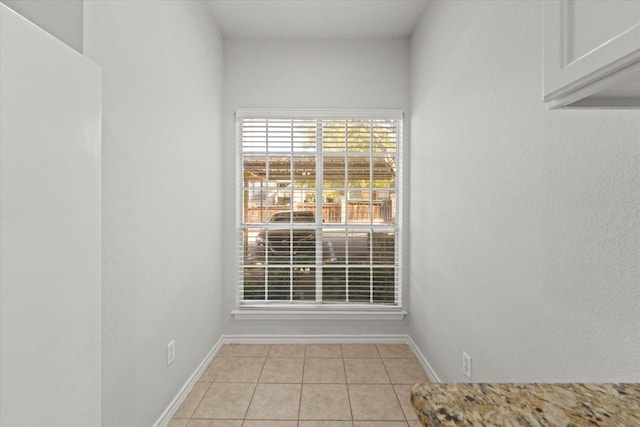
(348, 389)
(246, 412)
(298, 422)
(304, 362)
(346, 380)
(199, 400)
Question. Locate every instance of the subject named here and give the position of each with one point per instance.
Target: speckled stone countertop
(527, 404)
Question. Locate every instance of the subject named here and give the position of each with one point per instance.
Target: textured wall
(49, 230)
(525, 222)
(306, 74)
(162, 91)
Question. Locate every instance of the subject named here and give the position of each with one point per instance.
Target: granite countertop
(527, 404)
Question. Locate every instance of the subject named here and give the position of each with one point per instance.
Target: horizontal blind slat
(358, 261)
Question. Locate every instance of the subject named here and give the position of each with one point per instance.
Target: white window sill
(284, 314)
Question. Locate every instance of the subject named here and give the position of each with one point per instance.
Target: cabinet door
(50, 215)
(589, 46)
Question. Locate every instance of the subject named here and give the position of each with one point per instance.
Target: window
(319, 209)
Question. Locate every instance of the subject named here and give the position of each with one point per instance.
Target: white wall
(49, 230)
(305, 74)
(162, 186)
(61, 18)
(524, 222)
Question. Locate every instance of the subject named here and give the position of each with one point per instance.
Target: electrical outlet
(466, 365)
(171, 352)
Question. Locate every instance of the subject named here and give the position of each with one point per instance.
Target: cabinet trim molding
(568, 79)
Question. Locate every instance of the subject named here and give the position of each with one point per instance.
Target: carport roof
(333, 168)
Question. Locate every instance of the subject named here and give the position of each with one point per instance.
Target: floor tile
(323, 350)
(403, 392)
(380, 424)
(325, 402)
(244, 350)
(325, 424)
(240, 370)
(286, 350)
(261, 423)
(225, 401)
(365, 371)
(374, 402)
(178, 422)
(405, 371)
(359, 350)
(212, 370)
(192, 400)
(282, 370)
(275, 402)
(326, 370)
(298, 385)
(214, 423)
(394, 350)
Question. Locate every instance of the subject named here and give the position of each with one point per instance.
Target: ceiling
(317, 19)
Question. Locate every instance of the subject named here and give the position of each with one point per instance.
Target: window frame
(313, 310)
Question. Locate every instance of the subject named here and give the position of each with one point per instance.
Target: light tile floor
(298, 385)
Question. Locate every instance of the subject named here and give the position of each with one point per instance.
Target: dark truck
(293, 246)
(276, 244)
(298, 244)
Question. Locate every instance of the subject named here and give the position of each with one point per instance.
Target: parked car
(294, 244)
(275, 243)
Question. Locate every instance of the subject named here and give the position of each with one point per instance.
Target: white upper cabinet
(592, 53)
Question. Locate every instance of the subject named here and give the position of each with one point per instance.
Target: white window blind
(319, 209)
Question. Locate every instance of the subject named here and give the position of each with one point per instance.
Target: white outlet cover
(466, 365)
(171, 352)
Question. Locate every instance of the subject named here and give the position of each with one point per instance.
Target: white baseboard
(315, 339)
(336, 339)
(186, 388)
(289, 339)
(423, 361)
